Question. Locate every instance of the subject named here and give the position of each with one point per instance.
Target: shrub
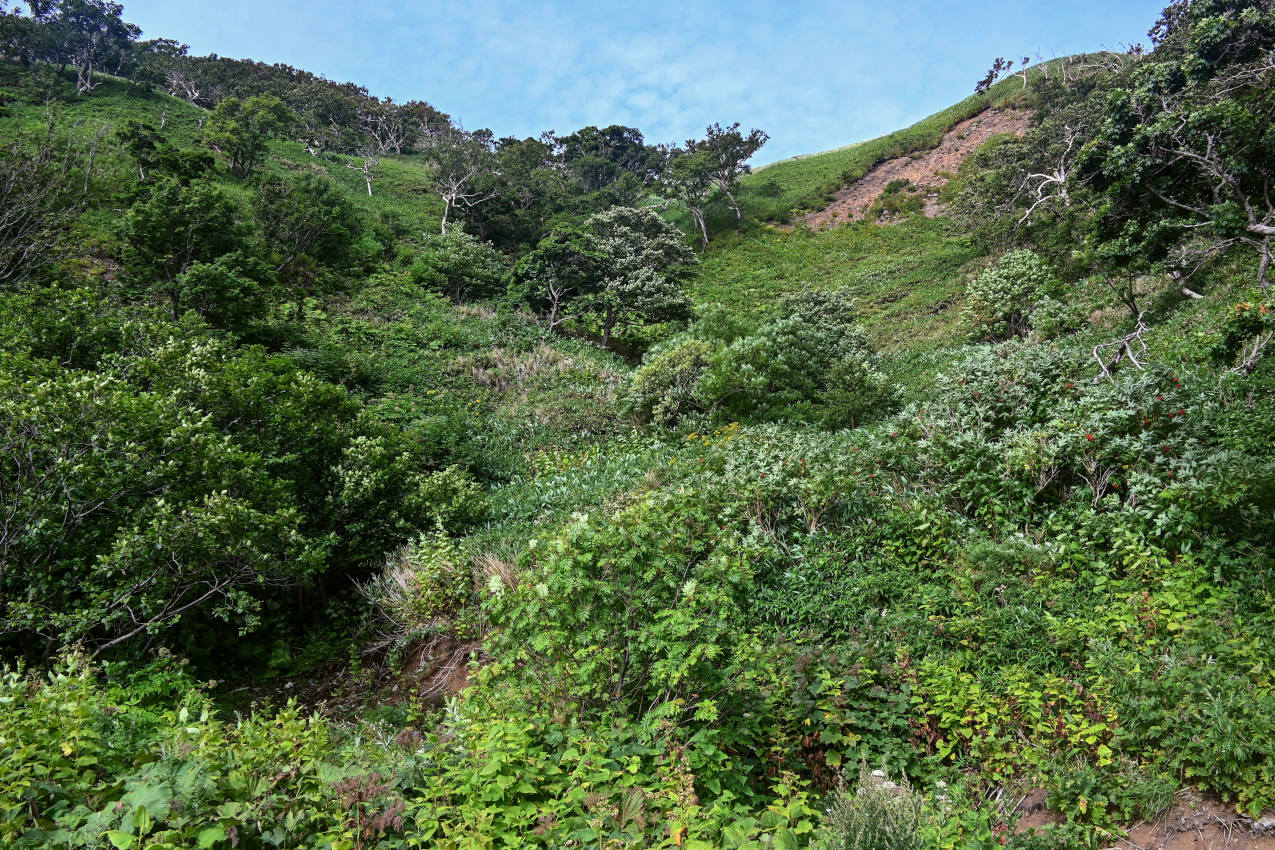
(78, 771)
(1051, 318)
(662, 389)
(1002, 298)
(811, 363)
(459, 266)
(635, 613)
(227, 293)
(454, 497)
(876, 815)
(423, 587)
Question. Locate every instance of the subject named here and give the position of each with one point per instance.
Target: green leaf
(121, 840)
(210, 836)
(786, 839)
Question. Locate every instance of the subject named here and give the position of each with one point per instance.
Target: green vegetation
(774, 192)
(907, 280)
(365, 482)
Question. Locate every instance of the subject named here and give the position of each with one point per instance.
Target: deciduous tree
(463, 168)
(35, 210)
(173, 226)
(240, 129)
(728, 152)
(88, 33)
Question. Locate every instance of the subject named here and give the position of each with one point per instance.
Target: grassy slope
(808, 182)
(524, 396)
(908, 278)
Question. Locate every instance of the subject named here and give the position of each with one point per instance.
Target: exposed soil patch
(437, 669)
(1194, 823)
(1033, 813)
(926, 170)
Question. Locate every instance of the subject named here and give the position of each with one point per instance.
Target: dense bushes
(811, 364)
(84, 763)
(635, 616)
(182, 479)
(1017, 296)
(1022, 431)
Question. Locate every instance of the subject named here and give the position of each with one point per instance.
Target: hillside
(372, 482)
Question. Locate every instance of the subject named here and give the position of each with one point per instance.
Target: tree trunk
(608, 323)
(555, 302)
(734, 204)
(1265, 265)
(698, 214)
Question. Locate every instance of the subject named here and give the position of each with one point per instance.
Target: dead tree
(382, 122)
(1124, 348)
(463, 170)
(367, 169)
(182, 85)
(1048, 187)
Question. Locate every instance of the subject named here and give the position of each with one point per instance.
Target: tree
(156, 154)
(153, 60)
(459, 265)
(240, 130)
(622, 266)
(614, 156)
(534, 187)
(999, 66)
(90, 33)
(642, 258)
(561, 268)
(385, 126)
(307, 215)
(689, 180)
(366, 168)
(227, 293)
(172, 227)
(463, 168)
(695, 173)
(1186, 155)
(424, 122)
(35, 211)
(124, 512)
(729, 151)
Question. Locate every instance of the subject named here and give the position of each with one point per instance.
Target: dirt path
(924, 169)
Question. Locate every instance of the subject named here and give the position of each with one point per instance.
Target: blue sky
(815, 74)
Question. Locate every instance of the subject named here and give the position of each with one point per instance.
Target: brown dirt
(1034, 814)
(1194, 823)
(437, 670)
(925, 169)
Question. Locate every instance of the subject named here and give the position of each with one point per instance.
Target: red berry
(1089, 437)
